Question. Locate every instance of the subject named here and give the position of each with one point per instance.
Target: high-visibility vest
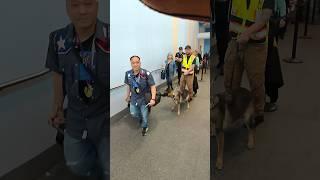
(242, 17)
(187, 64)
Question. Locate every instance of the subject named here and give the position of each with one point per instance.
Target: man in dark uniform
(78, 56)
(178, 59)
(140, 82)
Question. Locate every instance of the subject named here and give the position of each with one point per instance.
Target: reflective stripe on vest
(187, 64)
(241, 18)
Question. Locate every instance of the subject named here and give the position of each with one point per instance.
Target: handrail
(125, 84)
(18, 81)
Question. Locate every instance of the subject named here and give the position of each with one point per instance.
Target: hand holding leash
(243, 38)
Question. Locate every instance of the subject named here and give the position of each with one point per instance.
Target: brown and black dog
(232, 111)
(178, 98)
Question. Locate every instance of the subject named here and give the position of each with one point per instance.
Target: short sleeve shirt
(64, 58)
(194, 61)
(178, 55)
(143, 81)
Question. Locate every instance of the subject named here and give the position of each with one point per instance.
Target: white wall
(137, 30)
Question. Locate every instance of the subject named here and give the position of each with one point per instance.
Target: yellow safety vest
(187, 64)
(242, 17)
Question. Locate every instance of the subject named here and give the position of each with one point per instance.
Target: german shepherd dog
(178, 98)
(232, 111)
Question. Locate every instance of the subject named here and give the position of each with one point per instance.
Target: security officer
(139, 83)
(248, 50)
(188, 65)
(78, 56)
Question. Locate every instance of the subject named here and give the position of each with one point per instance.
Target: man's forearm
(262, 20)
(128, 91)
(153, 92)
(254, 28)
(58, 96)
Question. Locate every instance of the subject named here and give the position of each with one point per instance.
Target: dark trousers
(222, 29)
(179, 74)
(195, 84)
(273, 72)
(169, 83)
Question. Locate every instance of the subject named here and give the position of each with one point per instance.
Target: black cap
(187, 47)
(180, 48)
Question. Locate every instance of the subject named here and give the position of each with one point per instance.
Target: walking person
(170, 68)
(273, 73)
(196, 71)
(140, 82)
(77, 57)
(188, 65)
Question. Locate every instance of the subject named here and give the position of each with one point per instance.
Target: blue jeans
(141, 113)
(86, 158)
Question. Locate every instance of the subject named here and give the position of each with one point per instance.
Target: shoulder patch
(62, 43)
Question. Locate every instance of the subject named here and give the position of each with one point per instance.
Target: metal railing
(21, 80)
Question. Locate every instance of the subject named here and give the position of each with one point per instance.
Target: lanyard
(136, 80)
(92, 51)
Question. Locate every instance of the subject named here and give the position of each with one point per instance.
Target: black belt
(234, 35)
(185, 68)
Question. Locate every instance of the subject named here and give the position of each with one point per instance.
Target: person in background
(247, 50)
(170, 68)
(139, 82)
(178, 59)
(188, 64)
(205, 62)
(196, 70)
(273, 73)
